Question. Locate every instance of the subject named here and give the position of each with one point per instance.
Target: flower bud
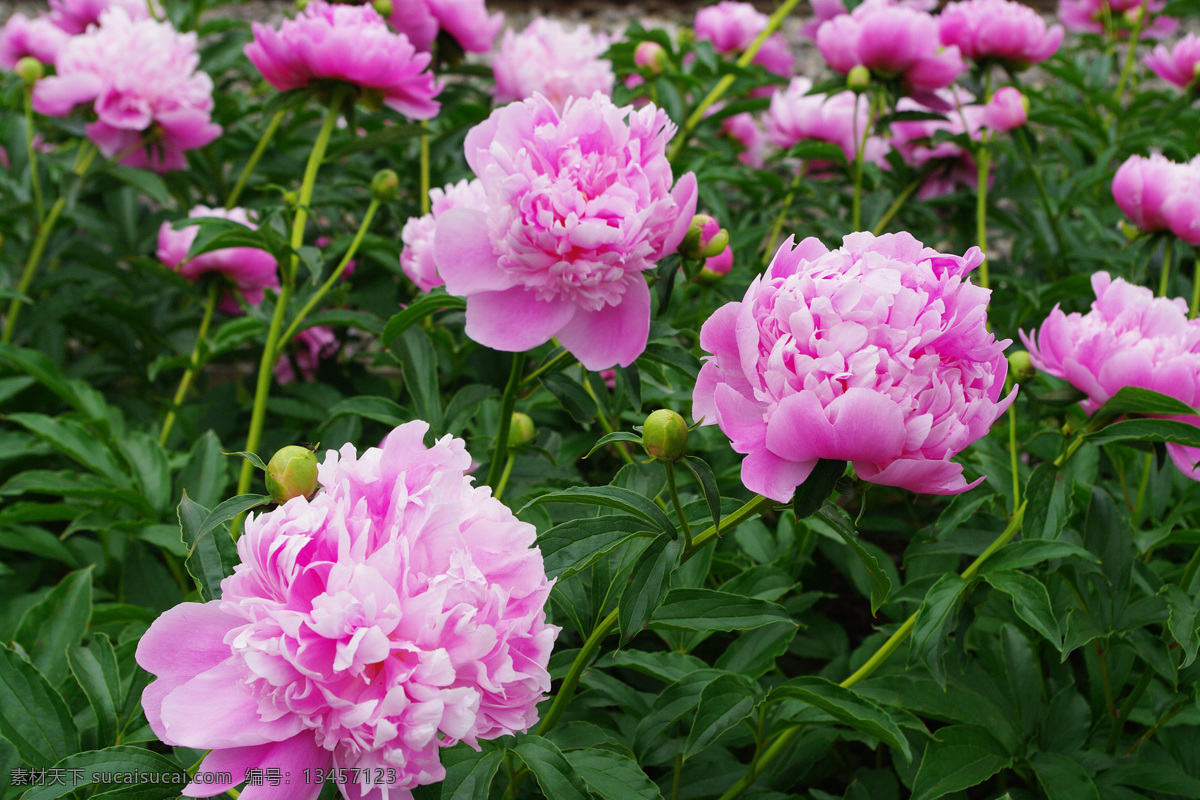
(1130, 231)
(521, 430)
(301, 5)
(384, 7)
(30, 69)
(1134, 15)
(858, 78)
(650, 57)
(291, 198)
(665, 435)
(1007, 109)
(1021, 364)
(705, 238)
(385, 186)
(292, 472)
(717, 267)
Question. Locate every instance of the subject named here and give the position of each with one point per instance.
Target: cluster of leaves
(747, 662)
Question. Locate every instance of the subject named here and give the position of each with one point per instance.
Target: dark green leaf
(148, 461)
(709, 610)
(1147, 430)
(1048, 495)
(615, 436)
(254, 460)
(648, 584)
(1030, 600)
(1135, 400)
(380, 409)
(817, 487)
(848, 707)
(959, 757)
(612, 775)
(881, 584)
(145, 181)
(94, 666)
(33, 717)
(419, 362)
(935, 619)
(572, 396)
(1062, 777)
(723, 704)
(75, 441)
(574, 545)
(671, 705)
(162, 778)
(375, 140)
(1184, 622)
(554, 774)
(213, 556)
(610, 497)
(754, 652)
(708, 484)
(57, 623)
(1028, 552)
(418, 309)
(468, 774)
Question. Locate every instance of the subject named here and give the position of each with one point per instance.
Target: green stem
(1127, 69)
(1165, 276)
(1151, 731)
(1014, 456)
(605, 425)
(983, 157)
(1021, 135)
(500, 446)
(424, 169)
(1143, 484)
(787, 205)
(548, 366)
(676, 774)
(31, 153)
(271, 349)
(856, 209)
(185, 382)
(898, 203)
(1114, 734)
(1195, 306)
(723, 85)
(508, 467)
(333, 276)
(1189, 572)
(259, 149)
(83, 160)
(749, 509)
(683, 521)
(1105, 681)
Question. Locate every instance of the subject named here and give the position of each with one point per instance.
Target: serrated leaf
(610, 497)
(723, 704)
(959, 757)
(95, 669)
(571, 396)
(648, 584)
(33, 716)
(881, 584)
(554, 774)
(848, 707)
(56, 623)
(169, 778)
(710, 610)
(612, 775)
(417, 310)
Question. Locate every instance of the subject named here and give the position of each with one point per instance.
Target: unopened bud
(385, 185)
(301, 5)
(650, 57)
(30, 69)
(717, 267)
(665, 435)
(858, 78)
(292, 472)
(705, 238)
(1130, 230)
(1021, 364)
(521, 430)
(1135, 15)
(384, 7)
(291, 198)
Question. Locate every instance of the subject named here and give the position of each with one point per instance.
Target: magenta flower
(38, 37)
(1006, 110)
(398, 612)
(74, 16)
(731, 27)
(140, 77)
(877, 354)
(1181, 210)
(579, 205)
(894, 42)
(310, 347)
(1088, 16)
(720, 264)
(465, 20)
(1180, 65)
(1128, 338)
(416, 259)
(549, 60)
(351, 44)
(797, 116)
(746, 128)
(999, 30)
(251, 270)
(1143, 185)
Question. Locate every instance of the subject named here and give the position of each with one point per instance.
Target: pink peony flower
(797, 116)
(251, 270)
(825, 10)
(465, 20)
(1128, 338)
(746, 128)
(549, 60)
(74, 16)
(1143, 185)
(416, 259)
(21, 37)
(1181, 209)
(893, 42)
(1180, 65)
(311, 346)
(399, 611)
(731, 27)
(579, 205)
(1088, 16)
(351, 44)
(1000, 30)
(140, 76)
(1006, 110)
(877, 354)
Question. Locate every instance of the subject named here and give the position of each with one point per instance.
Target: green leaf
(419, 363)
(469, 774)
(33, 717)
(671, 704)
(145, 181)
(708, 484)
(380, 409)
(227, 511)
(648, 584)
(254, 460)
(148, 461)
(1048, 493)
(959, 757)
(1184, 622)
(848, 707)
(1135, 400)
(1028, 552)
(612, 775)
(212, 557)
(1062, 777)
(754, 652)
(817, 487)
(1030, 600)
(375, 140)
(709, 610)
(57, 623)
(615, 436)
(723, 704)
(94, 666)
(610, 497)
(344, 318)
(167, 782)
(550, 767)
(74, 440)
(572, 396)
(1147, 430)
(81, 396)
(218, 233)
(935, 619)
(881, 584)
(667, 666)
(75, 484)
(576, 544)
(418, 309)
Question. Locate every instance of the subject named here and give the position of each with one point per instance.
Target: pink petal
(684, 194)
(514, 320)
(215, 710)
(464, 256)
(614, 334)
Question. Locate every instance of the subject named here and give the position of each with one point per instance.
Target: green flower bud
(1130, 230)
(384, 7)
(650, 58)
(521, 430)
(385, 185)
(301, 5)
(291, 198)
(292, 472)
(665, 435)
(30, 69)
(1021, 364)
(705, 238)
(858, 78)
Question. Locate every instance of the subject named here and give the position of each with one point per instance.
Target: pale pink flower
(1143, 185)
(416, 259)
(1128, 338)
(731, 27)
(579, 205)
(308, 349)
(825, 10)
(1181, 209)
(22, 37)
(467, 21)
(1180, 65)
(399, 611)
(797, 116)
(250, 270)
(352, 44)
(748, 130)
(141, 79)
(999, 30)
(1088, 16)
(74, 16)
(549, 60)
(877, 354)
(1006, 110)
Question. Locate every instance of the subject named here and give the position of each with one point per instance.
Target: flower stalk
(259, 149)
(185, 383)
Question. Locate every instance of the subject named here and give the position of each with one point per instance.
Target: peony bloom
(893, 42)
(749, 132)
(998, 30)
(877, 354)
(251, 270)
(140, 77)
(1088, 16)
(796, 116)
(74, 16)
(399, 611)
(579, 205)
(1181, 210)
(467, 21)
(1128, 338)
(731, 27)
(39, 38)
(1142, 186)
(1006, 110)
(351, 44)
(311, 347)
(549, 60)
(1180, 65)
(416, 259)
